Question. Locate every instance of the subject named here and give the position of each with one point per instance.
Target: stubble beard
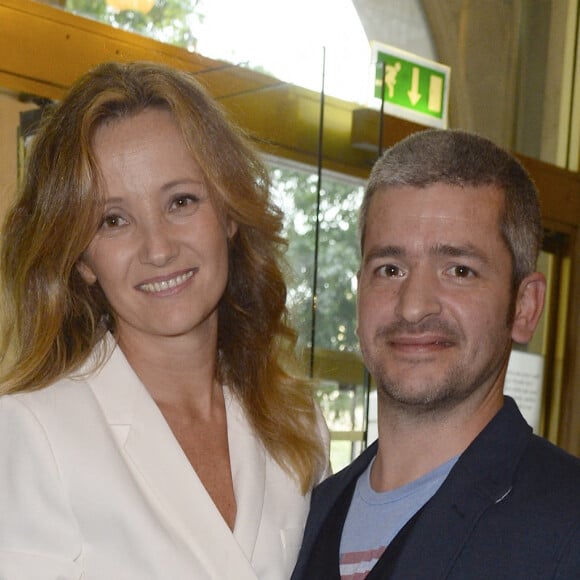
(436, 395)
(428, 396)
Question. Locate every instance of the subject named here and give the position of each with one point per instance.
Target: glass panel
(175, 22)
(13, 107)
(336, 258)
(327, 335)
(289, 40)
(343, 406)
(330, 35)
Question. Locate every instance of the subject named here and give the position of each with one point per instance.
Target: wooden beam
(559, 189)
(44, 49)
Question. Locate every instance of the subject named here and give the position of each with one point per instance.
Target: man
(457, 486)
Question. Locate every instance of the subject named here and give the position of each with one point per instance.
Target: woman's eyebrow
(185, 181)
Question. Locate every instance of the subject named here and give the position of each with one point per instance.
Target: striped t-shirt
(374, 519)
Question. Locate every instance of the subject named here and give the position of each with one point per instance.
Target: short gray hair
(460, 158)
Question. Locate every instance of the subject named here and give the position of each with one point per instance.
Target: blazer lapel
(482, 477)
(444, 525)
(163, 471)
(248, 464)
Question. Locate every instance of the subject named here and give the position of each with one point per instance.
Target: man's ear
(528, 308)
(86, 272)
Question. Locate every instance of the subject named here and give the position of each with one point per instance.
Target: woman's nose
(158, 245)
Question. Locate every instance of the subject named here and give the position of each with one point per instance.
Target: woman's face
(160, 254)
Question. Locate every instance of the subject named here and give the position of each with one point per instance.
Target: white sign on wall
(524, 382)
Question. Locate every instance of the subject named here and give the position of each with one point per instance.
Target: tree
(295, 192)
(170, 21)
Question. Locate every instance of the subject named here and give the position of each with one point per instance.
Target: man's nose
(419, 296)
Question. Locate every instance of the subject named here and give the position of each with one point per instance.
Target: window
(324, 257)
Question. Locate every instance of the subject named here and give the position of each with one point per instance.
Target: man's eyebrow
(449, 250)
(460, 251)
(384, 252)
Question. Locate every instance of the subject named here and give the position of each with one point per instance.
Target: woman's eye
(112, 221)
(184, 201)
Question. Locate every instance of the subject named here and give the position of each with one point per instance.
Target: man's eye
(462, 271)
(390, 271)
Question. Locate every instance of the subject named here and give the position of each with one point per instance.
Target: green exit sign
(413, 87)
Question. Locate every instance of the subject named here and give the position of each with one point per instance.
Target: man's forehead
(432, 215)
(439, 200)
(485, 190)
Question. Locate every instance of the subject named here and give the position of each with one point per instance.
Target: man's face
(434, 295)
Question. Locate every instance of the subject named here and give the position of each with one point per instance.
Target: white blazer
(94, 485)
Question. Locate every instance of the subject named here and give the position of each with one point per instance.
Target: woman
(149, 426)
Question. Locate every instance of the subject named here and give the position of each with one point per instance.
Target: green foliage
(170, 21)
(338, 256)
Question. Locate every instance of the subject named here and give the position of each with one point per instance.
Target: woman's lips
(164, 284)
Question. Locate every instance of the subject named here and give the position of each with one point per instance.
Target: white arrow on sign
(414, 94)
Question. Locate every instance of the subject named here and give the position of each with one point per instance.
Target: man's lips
(166, 283)
(417, 344)
(428, 337)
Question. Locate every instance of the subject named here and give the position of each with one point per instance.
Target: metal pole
(317, 222)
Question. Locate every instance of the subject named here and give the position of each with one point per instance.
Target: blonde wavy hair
(53, 320)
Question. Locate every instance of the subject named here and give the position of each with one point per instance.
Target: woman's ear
(528, 308)
(231, 228)
(86, 272)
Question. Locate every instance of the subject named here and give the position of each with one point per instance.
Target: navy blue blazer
(509, 510)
